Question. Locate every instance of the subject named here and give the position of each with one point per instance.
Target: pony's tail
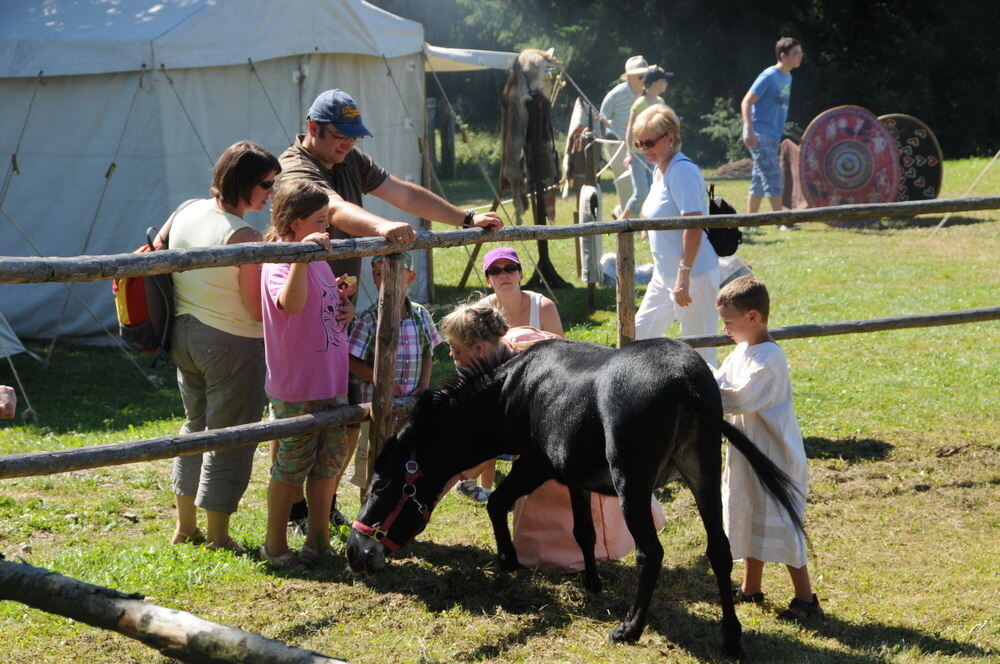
(775, 481)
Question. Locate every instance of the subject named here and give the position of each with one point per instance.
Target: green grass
(901, 430)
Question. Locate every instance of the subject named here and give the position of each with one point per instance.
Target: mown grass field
(902, 432)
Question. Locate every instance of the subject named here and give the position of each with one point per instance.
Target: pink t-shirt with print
(306, 352)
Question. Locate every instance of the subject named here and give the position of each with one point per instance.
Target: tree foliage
(936, 61)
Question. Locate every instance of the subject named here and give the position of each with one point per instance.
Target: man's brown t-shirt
(358, 174)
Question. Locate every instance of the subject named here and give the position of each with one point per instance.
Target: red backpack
(145, 305)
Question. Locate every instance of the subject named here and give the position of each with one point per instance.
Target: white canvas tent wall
(104, 98)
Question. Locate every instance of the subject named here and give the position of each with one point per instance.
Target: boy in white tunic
(757, 399)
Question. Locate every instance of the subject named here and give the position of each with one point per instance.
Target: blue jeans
(641, 172)
(765, 179)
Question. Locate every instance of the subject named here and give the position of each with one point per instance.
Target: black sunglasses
(650, 143)
(266, 184)
(494, 271)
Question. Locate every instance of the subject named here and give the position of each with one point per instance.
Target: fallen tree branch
(174, 633)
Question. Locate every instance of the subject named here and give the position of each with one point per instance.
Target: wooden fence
(384, 408)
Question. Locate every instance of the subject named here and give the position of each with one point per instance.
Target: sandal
(194, 537)
(313, 557)
(228, 545)
(740, 597)
(799, 610)
(472, 491)
(287, 560)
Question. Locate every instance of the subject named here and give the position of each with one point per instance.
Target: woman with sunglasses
(686, 267)
(218, 342)
(654, 84)
(519, 308)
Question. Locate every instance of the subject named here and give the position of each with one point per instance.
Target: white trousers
(658, 310)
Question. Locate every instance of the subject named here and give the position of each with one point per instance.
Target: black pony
(619, 422)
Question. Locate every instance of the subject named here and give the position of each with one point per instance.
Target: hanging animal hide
(525, 84)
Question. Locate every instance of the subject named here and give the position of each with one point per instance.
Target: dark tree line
(939, 61)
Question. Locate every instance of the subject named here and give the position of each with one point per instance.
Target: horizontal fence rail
(17, 269)
(166, 447)
(49, 463)
(858, 326)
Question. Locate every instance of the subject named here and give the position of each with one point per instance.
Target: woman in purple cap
(519, 308)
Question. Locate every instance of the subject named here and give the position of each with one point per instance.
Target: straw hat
(635, 65)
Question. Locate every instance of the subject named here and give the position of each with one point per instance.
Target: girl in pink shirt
(305, 347)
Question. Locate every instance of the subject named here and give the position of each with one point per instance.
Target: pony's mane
(465, 385)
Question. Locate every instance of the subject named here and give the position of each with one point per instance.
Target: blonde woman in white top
(217, 342)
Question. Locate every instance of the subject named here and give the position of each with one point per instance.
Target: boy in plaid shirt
(418, 336)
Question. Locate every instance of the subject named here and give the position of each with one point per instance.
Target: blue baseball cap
(338, 108)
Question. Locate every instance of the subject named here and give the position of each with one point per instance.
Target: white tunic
(757, 398)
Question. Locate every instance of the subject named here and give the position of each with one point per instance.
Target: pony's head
(409, 474)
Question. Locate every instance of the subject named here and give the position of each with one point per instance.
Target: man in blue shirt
(765, 109)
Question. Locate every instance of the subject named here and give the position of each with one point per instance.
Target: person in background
(765, 109)
(614, 114)
(217, 342)
(418, 336)
(654, 84)
(757, 399)
(685, 266)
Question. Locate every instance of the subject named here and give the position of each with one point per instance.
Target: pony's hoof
(622, 634)
(508, 563)
(593, 583)
(732, 650)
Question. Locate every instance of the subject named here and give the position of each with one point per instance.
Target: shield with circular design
(920, 157)
(848, 157)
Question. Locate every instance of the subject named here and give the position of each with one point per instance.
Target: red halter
(380, 531)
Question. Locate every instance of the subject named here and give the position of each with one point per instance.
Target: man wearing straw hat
(614, 118)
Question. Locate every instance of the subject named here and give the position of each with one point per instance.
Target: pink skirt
(543, 529)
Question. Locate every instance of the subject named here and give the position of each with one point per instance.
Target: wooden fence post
(390, 304)
(625, 276)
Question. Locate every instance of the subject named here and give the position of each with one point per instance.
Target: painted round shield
(920, 157)
(848, 157)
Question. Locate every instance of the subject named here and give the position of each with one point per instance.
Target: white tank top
(212, 295)
(534, 308)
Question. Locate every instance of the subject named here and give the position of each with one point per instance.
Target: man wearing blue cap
(327, 155)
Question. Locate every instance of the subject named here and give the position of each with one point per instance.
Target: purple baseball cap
(338, 108)
(493, 255)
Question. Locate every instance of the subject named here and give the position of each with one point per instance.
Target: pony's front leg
(583, 533)
(521, 481)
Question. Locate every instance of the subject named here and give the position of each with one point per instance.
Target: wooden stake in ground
(390, 303)
(174, 633)
(625, 277)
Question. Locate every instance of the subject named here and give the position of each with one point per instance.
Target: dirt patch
(735, 170)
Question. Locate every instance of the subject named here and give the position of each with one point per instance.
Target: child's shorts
(319, 454)
(765, 178)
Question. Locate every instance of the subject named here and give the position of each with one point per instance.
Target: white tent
(115, 110)
(9, 343)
